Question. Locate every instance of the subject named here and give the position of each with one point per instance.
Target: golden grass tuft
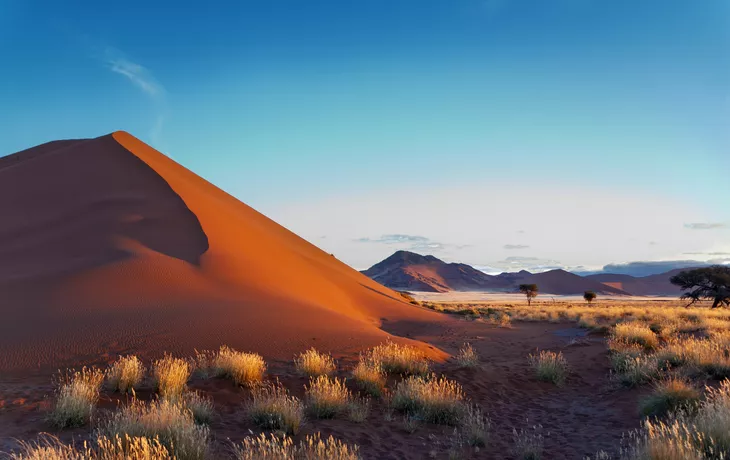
(550, 366)
(125, 374)
(670, 395)
(326, 397)
(637, 333)
(242, 368)
(399, 359)
(76, 398)
(310, 448)
(169, 422)
(272, 408)
(171, 376)
(116, 448)
(467, 356)
(313, 363)
(369, 376)
(432, 399)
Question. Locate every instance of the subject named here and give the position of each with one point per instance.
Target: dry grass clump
(242, 368)
(358, 410)
(702, 435)
(125, 374)
(467, 356)
(273, 408)
(637, 333)
(670, 395)
(550, 366)
(399, 359)
(369, 375)
(326, 397)
(528, 444)
(433, 399)
(171, 376)
(117, 448)
(200, 406)
(76, 398)
(639, 370)
(709, 356)
(169, 422)
(313, 363)
(475, 426)
(283, 448)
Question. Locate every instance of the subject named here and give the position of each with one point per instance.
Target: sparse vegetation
(76, 398)
(550, 366)
(242, 368)
(313, 363)
(670, 395)
(169, 422)
(467, 356)
(171, 376)
(475, 426)
(326, 397)
(273, 408)
(399, 359)
(125, 374)
(358, 409)
(637, 333)
(283, 448)
(117, 448)
(432, 399)
(368, 374)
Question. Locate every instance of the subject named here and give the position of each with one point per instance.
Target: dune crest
(111, 246)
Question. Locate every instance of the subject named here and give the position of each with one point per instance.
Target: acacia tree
(530, 291)
(589, 296)
(711, 283)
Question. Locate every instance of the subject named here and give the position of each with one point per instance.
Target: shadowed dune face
(70, 206)
(110, 246)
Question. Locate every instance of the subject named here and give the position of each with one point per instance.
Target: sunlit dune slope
(107, 246)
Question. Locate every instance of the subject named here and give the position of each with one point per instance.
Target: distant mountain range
(409, 271)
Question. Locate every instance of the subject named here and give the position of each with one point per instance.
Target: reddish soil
(588, 414)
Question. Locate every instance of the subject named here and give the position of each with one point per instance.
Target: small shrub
(434, 400)
(369, 376)
(668, 396)
(200, 406)
(313, 363)
(636, 333)
(411, 424)
(399, 359)
(76, 398)
(283, 448)
(169, 422)
(358, 409)
(125, 374)
(528, 445)
(326, 397)
(242, 368)
(467, 356)
(273, 408)
(550, 366)
(171, 376)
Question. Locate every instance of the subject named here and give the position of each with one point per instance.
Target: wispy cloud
(143, 79)
(394, 238)
(705, 225)
(515, 246)
(718, 254)
(416, 243)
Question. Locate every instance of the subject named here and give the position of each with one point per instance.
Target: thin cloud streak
(705, 225)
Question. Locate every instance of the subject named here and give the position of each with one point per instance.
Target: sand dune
(108, 246)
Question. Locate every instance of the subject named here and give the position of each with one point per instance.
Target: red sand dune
(107, 246)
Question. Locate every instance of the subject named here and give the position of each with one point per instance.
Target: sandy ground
(501, 297)
(588, 414)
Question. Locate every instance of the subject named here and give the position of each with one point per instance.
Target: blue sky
(503, 133)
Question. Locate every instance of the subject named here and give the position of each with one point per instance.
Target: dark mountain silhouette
(406, 270)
